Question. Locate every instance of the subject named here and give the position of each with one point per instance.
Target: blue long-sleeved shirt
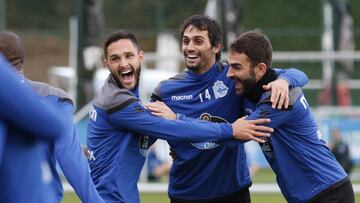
(24, 171)
(2, 139)
(66, 151)
(208, 170)
(303, 164)
(118, 139)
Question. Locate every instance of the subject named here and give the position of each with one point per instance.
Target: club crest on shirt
(208, 145)
(220, 89)
(143, 144)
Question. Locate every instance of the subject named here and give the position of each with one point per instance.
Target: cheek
(113, 68)
(136, 64)
(238, 75)
(183, 48)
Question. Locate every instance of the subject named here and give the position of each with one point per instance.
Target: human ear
(217, 48)
(260, 70)
(141, 56)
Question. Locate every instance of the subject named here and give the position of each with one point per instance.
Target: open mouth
(127, 75)
(192, 57)
(238, 84)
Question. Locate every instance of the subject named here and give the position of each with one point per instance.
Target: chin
(130, 87)
(192, 67)
(239, 92)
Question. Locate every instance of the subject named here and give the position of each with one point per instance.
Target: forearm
(175, 130)
(76, 169)
(293, 76)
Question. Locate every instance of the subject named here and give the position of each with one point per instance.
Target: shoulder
(294, 95)
(44, 89)
(168, 83)
(176, 78)
(114, 100)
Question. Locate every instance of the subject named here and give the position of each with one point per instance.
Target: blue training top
(303, 164)
(118, 139)
(66, 151)
(2, 139)
(29, 122)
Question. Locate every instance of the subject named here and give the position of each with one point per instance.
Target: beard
(249, 84)
(137, 76)
(136, 72)
(193, 67)
(196, 65)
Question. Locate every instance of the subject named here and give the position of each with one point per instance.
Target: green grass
(268, 176)
(163, 198)
(262, 176)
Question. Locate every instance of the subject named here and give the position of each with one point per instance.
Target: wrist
(284, 79)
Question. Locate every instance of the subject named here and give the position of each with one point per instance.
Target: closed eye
(236, 66)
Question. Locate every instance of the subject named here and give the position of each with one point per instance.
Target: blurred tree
(41, 15)
(3, 15)
(90, 29)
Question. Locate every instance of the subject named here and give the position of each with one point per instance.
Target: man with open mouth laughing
(124, 62)
(119, 124)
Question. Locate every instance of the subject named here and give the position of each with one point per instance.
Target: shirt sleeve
(72, 161)
(278, 117)
(2, 139)
(135, 117)
(227, 143)
(22, 108)
(293, 76)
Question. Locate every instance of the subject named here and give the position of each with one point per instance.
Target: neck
(255, 92)
(202, 70)
(205, 68)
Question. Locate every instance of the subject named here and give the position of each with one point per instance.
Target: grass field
(263, 176)
(163, 198)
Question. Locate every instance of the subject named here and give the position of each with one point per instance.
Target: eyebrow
(196, 36)
(235, 64)
(128, 52)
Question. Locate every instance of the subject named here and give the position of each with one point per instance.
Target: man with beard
(210, 171)
(305, 169)
(119, 124)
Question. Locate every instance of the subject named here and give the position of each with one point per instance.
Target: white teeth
(192, 56)
(126, 72)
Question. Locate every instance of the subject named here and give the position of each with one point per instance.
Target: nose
(123, 63)
(230, 73)
(190, 46)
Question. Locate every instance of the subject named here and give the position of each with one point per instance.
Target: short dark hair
(206, 23)
(118, 35)
(255, 45)
(12, 47)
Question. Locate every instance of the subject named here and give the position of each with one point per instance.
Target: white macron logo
(181, 97)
